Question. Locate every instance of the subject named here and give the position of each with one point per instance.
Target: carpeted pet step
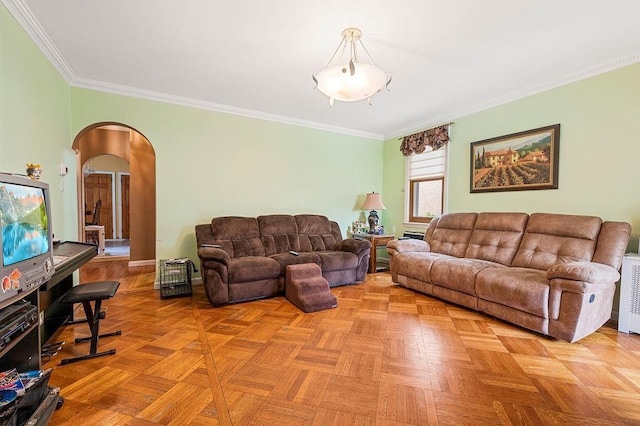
(306, 288)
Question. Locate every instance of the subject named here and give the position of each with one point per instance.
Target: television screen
(24, 223)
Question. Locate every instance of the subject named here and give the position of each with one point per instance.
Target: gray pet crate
(175, 277)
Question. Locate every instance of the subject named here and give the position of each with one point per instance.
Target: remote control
(293, 252)
(211, 245)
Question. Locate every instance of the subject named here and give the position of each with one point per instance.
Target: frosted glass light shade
(347, 79)
(337, 82)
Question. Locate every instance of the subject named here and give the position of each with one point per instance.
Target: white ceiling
(448, 58)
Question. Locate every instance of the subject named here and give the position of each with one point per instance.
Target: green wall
(34, 120)
(213, 164)
(599, 152)
(393, 188)
(208, 164)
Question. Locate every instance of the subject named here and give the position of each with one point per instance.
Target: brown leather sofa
(245, 258)
(550, 273)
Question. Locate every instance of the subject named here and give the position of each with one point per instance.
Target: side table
(376, 241)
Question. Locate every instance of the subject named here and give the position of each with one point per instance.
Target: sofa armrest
(214, 254)
(355, 246)
(410, 245)
(214, 263)
(583, 273)
(577, 287)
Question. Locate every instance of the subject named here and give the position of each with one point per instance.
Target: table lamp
(373, 202)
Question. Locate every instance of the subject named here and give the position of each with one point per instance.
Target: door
(99, 186)
(124, 184)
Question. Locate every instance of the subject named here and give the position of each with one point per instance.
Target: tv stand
(23, 351)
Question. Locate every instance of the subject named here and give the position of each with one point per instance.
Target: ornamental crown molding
(453, 115)
(23, 15)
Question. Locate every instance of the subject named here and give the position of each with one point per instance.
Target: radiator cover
(414, 235)
(629, 310)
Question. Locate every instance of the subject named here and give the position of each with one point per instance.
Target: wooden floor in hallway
(385, 356)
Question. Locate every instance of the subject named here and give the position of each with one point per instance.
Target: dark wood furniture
(376, 241)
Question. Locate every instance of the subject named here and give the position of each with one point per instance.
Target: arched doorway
(127, 143)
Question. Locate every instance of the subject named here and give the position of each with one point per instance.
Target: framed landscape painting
(516, 162)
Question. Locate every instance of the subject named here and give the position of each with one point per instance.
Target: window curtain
(417, 143)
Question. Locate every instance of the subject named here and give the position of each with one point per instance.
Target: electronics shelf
(22, 350)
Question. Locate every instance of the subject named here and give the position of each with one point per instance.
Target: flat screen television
(26, 259)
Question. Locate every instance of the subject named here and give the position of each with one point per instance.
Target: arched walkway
(124, 141)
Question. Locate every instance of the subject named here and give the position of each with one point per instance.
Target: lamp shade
(373, 201)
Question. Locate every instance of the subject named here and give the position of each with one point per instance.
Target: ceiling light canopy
(350, 80)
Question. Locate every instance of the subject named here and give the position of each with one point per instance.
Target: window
(426, 173)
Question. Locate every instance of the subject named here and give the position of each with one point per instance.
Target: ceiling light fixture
(353, 80)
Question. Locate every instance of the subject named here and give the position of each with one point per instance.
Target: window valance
(417, 143)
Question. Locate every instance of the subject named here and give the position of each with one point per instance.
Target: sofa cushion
(315, 233)
(238, 236)
(279, 233)
(452, 233)
(286, 259)
(518, 288)
(551, 239)
(254, 290)
(252, 268)
(416, 265)
(496, 236)
(459, 274)
(337, 260)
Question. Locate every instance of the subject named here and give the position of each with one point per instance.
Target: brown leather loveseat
(551, 273)
(245, 258)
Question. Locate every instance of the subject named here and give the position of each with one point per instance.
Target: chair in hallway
(93, 231)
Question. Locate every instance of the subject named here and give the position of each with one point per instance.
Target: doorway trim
(132, 146)
(118, 209)
(113, 198)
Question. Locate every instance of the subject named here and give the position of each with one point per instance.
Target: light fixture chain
(343, 45)
(367, 52)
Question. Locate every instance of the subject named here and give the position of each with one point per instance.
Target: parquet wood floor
(386, 356)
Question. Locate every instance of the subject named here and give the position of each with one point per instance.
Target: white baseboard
(134, 263)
